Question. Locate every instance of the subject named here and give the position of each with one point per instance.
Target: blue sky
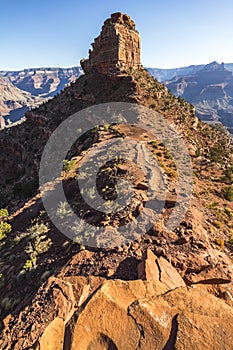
(59, 32)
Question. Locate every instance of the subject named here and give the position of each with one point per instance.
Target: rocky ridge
(157, 304)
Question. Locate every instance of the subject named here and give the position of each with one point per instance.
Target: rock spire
(116, 49)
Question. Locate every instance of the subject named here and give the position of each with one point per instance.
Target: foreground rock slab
(157, 312)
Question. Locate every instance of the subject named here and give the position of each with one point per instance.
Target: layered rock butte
(117, 48)
(167, 290)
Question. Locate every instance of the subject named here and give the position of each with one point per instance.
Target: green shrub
(106, 127)
(228, 175)
(216, 154)
(5, 229)
(29, 264)
(3, 213)
(38, 243)
(68, 165)
(227, 193)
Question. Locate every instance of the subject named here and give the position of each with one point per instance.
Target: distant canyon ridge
(208, 87)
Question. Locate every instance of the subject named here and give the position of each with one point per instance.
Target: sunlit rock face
(116, 48)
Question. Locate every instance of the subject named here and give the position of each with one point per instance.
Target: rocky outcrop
(116, 48)
(94, 313)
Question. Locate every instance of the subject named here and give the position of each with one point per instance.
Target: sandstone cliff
(117, 48)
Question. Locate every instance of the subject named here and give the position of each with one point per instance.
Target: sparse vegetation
(216, 154)
(106, 127)
(5, 228)
(228, 175)
(227, 193)
(68, 165)
(38, 243)
(3, 213)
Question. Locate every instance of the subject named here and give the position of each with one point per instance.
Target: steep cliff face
(26, 89)
(13, 101)
(116, 48)
(210, 90)
(43, 82)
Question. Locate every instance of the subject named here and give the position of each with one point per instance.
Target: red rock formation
(116, 48)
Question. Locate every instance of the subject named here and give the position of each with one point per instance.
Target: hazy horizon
(62, 67)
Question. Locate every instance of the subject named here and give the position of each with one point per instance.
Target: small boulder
(159, 272)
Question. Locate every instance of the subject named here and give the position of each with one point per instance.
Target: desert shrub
(216, 154)
(63, 210)
(218, 224)
(228, 213)
(106, 127)
(38, 243)
(213, 205)
(68, 165)
(198, 152)
(3, 213)
(228, 175)
(227, 193)
(5, 229)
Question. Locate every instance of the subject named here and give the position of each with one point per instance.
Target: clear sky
(174, 33)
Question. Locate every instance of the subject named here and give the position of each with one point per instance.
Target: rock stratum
(45, 83)
(163, 290)
(27, 89)
(14, 102)
(210, 90)
(117, 48)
